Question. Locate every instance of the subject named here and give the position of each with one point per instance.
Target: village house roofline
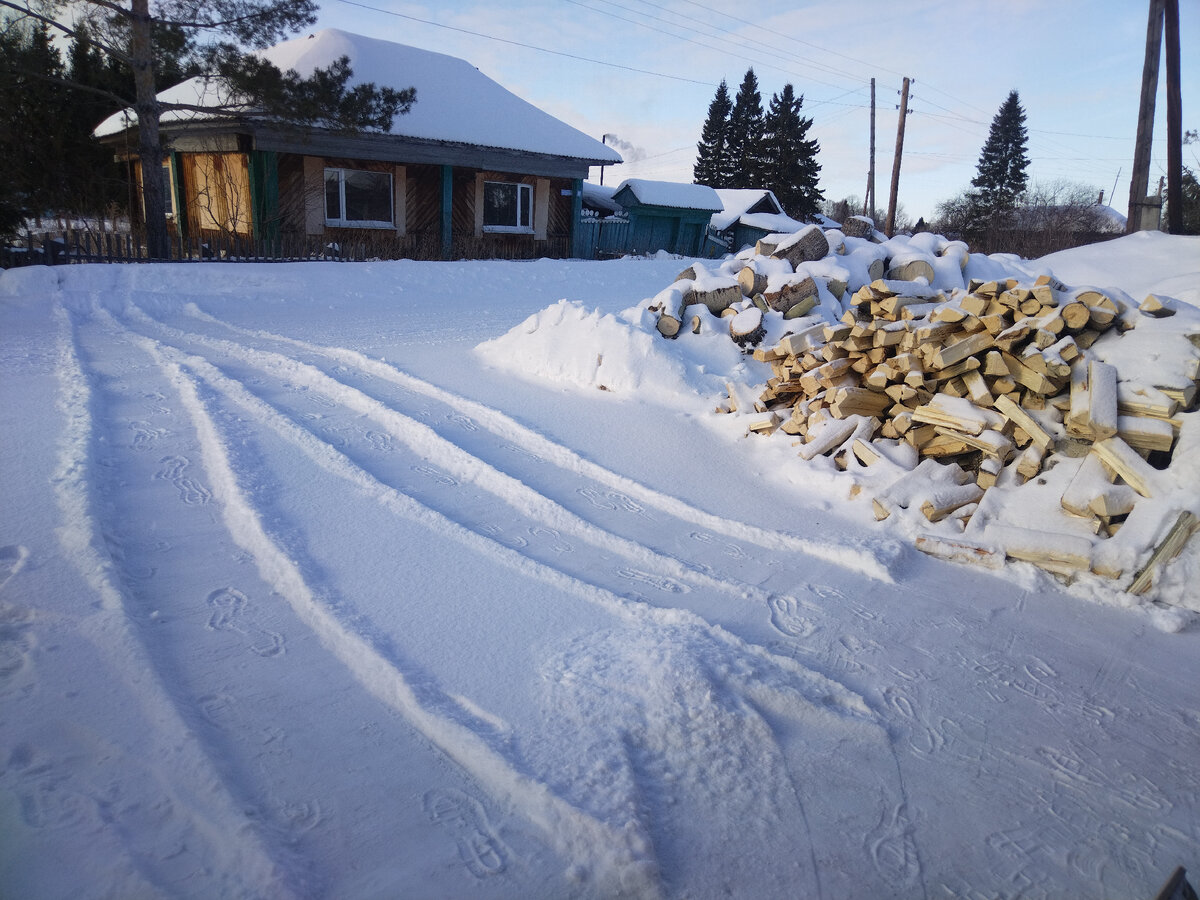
(457, 106)
(669, 194)
(240, 134)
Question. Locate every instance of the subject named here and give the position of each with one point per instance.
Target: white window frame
(342, 221)
(524, 203)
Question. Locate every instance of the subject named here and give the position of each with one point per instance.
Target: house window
(508, 206)
(358, 199)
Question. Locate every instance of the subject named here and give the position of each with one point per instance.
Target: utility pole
(1174, 122)
(1139, 179)
(890, 229)
(869, 202)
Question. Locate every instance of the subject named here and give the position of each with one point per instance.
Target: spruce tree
(32, 147)
(744, 139)
(92, 179)
(1000, 178)
(789, 156)
(712, 156)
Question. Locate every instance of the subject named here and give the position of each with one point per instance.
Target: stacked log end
(985, 380)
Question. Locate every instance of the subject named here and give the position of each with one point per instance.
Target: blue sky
(646, 71)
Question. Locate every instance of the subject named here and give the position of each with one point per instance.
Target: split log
(1125, 462)
(805, 339)
(1089, 483)
(1144, 433)
(960, 350)
(949, 498)
(959, 551)
(958, 414)
(1114, 500)
(765, 425)
(1029, 463)
(832, 433)
(857, 401)
(1156, 307)
(1102, 400)
(1025, 422)
(1185, 526)
(1042, 548)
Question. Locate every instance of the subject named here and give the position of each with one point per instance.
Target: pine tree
(1000, 178)
(91, 178)
(744, 137)
(712, 156)
(32, 149)
(789, 156)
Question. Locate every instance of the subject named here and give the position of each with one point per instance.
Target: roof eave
(376, 146)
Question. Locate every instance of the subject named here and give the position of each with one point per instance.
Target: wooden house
(666, 215)
(471, 171)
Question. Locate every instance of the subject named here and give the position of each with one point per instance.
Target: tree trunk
(149, 145)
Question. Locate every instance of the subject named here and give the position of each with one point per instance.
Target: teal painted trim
(264, 193)
(576, 214)
(181, 219)
(447, 205)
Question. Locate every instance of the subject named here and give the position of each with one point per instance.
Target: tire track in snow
(668, 574)
(616, 851)
(203, 795)
(865, 560)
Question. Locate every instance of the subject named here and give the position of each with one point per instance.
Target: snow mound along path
(567, 344)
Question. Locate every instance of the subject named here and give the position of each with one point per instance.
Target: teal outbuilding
(666, 215)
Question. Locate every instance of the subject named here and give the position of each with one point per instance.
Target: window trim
(523, 190)
(342, 221)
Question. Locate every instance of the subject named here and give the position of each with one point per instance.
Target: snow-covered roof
(737, 202)
(600, 196)
(673, 194)
(455, 101)
(1114, 221)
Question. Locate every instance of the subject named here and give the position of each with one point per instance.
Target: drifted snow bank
(566, 344)
(626, 354)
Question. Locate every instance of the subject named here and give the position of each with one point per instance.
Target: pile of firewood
(984, 383)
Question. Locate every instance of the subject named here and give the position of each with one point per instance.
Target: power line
(490, 37)
(853, 59)
(777, 51)
(725, 50)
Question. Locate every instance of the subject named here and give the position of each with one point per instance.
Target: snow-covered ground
(334, 580)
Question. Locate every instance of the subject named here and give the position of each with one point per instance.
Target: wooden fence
(59, 247)
(77, 246)
(603, 238)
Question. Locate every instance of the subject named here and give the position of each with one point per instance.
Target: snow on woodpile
(1059, 417)
(979, 405)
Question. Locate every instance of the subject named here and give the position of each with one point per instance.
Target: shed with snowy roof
(748, 215)
(666, 215)
(471, 170)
